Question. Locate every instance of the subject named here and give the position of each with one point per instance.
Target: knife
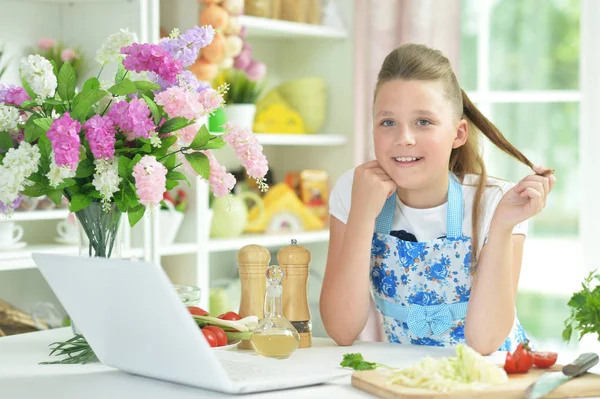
(551, 380)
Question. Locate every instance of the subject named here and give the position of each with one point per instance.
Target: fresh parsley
(357, 362)
(585, 309)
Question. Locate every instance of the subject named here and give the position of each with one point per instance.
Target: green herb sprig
(77, 350)
(357, 362)
(585, 309)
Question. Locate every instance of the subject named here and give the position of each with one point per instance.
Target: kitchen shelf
(274, 28)
(300, 139)
(267, 240)
(53, 214)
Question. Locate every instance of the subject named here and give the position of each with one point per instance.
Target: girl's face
(415, 130)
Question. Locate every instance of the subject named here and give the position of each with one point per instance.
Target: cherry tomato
(210, 337)
(509, 364)
(230, 316)
(198, 311)
(544, 360)
(219, 334)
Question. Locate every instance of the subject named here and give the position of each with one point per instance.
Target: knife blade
(551, 380)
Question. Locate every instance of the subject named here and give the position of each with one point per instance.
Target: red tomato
(544, 360)
(509, 364)
(230, 316)
(210, 337)
(520, 361)
(198, 311)
(219, 334)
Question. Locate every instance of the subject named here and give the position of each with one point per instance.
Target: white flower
(57, 173)
(39, 75)
(106, 179)
(155, 140)
(9, 118)
(111, 49)
(17, 166)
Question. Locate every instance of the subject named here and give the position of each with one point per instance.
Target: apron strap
(385, 218)
(455, 212)
(454, 216)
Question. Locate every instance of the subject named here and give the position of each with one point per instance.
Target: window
(520, 65)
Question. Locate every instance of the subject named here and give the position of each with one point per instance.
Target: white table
(21, 375)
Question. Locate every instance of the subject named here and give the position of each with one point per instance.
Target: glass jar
(189, 294)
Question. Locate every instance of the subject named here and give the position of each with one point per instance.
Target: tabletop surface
(21, 375)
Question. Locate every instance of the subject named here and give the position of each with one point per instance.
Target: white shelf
(53, 214)
(273, 28)
(234, 244)
(301, 139)
(179, 249)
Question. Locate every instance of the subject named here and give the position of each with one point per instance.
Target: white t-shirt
(429, 224)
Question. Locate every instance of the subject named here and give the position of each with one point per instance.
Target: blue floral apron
(422, 288)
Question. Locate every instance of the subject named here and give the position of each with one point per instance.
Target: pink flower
(210, 100)
(150, 180)
(243, 60)
(176, 101)
(247, 150)
(64, 137)
(256, 71)
(100, 133)
(13, 95)
(188, 133)
(68, 54)
(46, 43)
(132, 118)
(220, 181)
(153, 58)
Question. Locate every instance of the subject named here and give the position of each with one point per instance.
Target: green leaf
(136, 214)
(28, 89)
(6, 141)
(67, 80)
(85, 168)
(30, 103)
(43, 123)
(52, 102)
(132, 163)
(202, 138)
(356, 362)
(199, 163)
(171, 184)
(147, 148)
(173, 175)
(174, 124)
(121, 72)
(123, 88)
(91, 84)
(55, 195)
(166, 143)
(567, 333)
(82, 103)
(121, 204)
(170, 161)
(65, 184)
(79, 201)
(215, 143)
(32, 131)
(146, 85)
(156, 116)
(45, 148)
(36, 190)
(123, 166)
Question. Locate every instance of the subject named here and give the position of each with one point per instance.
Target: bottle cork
(253, 261)
(295, 260)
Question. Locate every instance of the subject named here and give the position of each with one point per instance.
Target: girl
(445, 241)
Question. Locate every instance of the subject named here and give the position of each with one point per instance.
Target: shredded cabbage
(467, 371)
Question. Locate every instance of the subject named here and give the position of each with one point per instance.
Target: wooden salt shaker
(294, 261)
(253, 262)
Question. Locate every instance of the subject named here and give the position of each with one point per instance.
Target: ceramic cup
(67, 231)
(10, 233)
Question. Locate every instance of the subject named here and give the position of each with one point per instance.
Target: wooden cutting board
(375, 382)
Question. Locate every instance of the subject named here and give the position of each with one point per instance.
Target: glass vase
(99, 231)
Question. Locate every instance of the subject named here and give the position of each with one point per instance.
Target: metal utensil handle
(582, 364)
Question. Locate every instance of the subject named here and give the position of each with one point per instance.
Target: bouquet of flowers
(115, 147)
(56, 51)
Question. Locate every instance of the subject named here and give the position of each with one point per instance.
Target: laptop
(134, 321)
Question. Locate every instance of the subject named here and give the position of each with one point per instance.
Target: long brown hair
(419, 62)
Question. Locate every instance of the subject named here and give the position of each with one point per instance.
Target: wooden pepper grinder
(253, 262)
(294, 261)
